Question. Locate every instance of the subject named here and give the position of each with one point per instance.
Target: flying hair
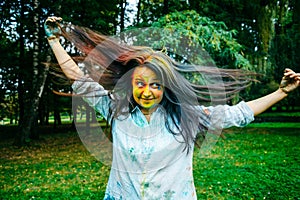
(111, 63)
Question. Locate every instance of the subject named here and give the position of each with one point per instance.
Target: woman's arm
(290, 82)
(262, 104)
(67, 64)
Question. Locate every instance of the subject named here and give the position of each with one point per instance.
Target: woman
(152, 109)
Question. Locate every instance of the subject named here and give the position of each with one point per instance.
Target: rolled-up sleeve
(94, 94)
(225, 116)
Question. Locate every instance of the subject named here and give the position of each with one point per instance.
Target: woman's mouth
(147, 99)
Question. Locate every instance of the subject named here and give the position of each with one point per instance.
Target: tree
(266, 31)
(123, 4)
(187, 31)
(99, 15)
(285, 45)
(138, 13)
(149, 11)
(8, 79)
(39, 74)
(33, 49)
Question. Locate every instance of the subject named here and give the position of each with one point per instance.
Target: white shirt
(149, 162)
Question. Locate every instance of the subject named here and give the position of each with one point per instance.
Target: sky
(132, 6)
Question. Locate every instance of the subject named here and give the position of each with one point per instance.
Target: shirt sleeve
(225, 116)
(94, 94)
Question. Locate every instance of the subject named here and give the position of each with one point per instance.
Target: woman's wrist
(52, 39)
(283, 91)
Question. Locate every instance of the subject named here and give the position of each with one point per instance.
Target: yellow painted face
(147, 88)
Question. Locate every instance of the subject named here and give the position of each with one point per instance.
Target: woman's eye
(156, 85)
(140, 84)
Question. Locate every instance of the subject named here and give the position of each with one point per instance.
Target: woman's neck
(148, 111)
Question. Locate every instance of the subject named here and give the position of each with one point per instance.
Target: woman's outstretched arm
(290, 82)
(67, 64)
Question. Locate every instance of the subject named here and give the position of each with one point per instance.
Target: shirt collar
(137, 109)
(139, 118)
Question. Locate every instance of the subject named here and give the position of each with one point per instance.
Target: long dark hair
(111, 63)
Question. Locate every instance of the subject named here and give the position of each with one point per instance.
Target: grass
(280, 114)
(56, 167)
(278, 125)
(251, 163)
(262, 163)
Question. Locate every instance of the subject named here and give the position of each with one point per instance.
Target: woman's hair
(111, 63)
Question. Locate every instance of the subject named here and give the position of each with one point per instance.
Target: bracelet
(51, 37)
(65, 61)
(284, 90)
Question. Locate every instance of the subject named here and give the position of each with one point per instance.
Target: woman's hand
(290, 81)
(52, 27)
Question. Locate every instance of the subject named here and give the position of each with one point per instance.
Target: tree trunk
(56, 111)
(166, 7)
(57, 118)
(138, 12)
(39, 77)
(123, 4)
(21, 65)
(296, 22)
(20, 137)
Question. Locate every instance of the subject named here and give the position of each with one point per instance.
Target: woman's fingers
(294, 75)
(51, 26)
(291, 74)
(53, 19)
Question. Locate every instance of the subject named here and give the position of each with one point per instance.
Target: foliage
(260, 163)
(284, 50)
(248, 17)
(191, 38)
(251, 24)
(8, 78)
(16, 33)
(190, 35)
(152, 10)
(95, 14)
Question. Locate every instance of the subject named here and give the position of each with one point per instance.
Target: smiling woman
(147, 89)
(153, 109)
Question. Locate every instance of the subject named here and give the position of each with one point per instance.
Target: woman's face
(147, 88)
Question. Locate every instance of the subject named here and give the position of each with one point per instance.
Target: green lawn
(251, 163)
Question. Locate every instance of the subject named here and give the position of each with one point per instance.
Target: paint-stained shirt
(148, 161)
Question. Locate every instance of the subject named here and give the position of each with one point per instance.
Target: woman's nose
(147, 92)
